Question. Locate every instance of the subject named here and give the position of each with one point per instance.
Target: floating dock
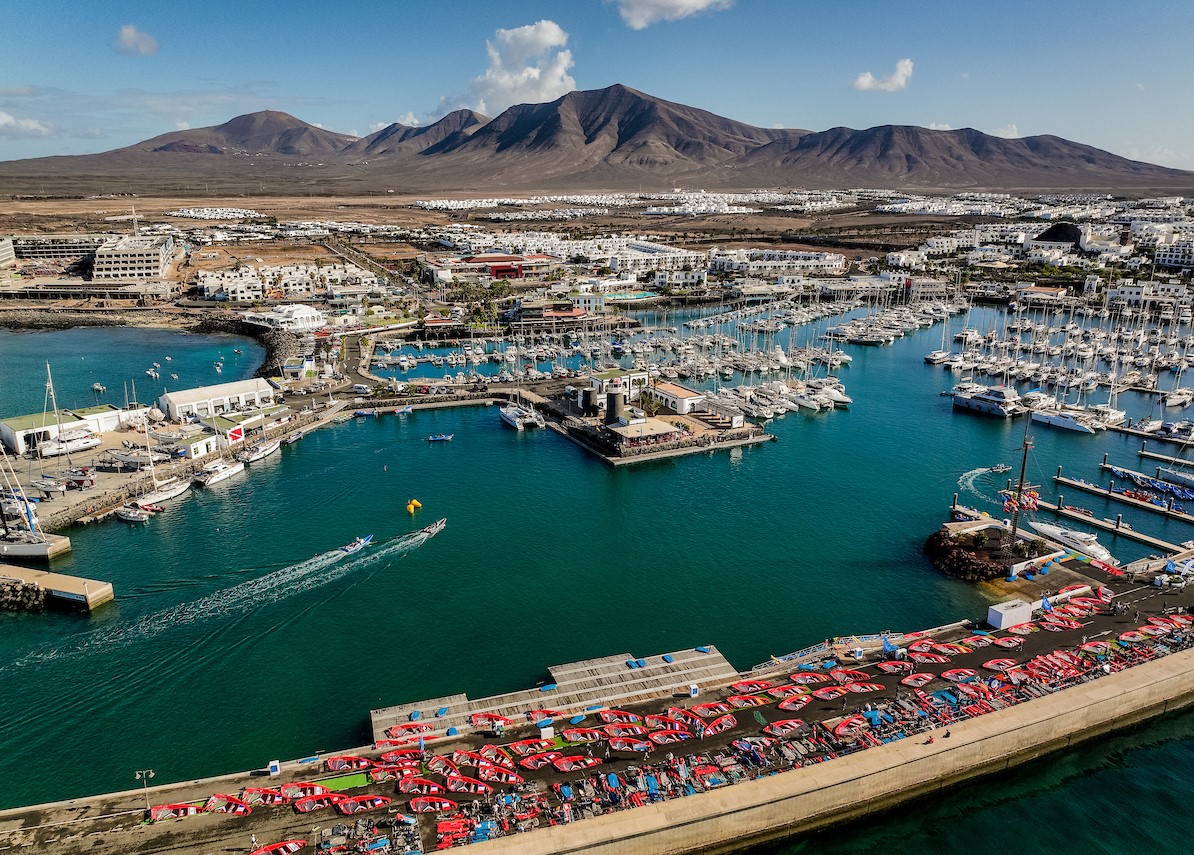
(59, 545)
(579, 686)
(1114, 528)
(1164, 458)
(71, 591)
(1108, 493)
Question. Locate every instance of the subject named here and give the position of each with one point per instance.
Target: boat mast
(1020, 484)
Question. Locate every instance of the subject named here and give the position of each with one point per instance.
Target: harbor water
(241, 634)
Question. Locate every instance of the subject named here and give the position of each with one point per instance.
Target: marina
(336, 460)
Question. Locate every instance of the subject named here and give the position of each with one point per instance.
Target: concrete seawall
(813, 797)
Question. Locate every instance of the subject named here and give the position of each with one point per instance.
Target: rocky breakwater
(279, 345)
(64, 319)
(18, 596)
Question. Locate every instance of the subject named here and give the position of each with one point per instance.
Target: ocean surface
(240, 634)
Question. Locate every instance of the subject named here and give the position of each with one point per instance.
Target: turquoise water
(239, 635)
(116, 359)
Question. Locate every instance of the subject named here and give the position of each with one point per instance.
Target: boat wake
(969, 483)
(271, 588)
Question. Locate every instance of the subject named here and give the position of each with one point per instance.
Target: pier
(1116, 528)
(1164, 458)
(590, 683)
(70, 591)
(1108, 492)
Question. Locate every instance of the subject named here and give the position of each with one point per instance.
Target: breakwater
(821, 795)
(19, 596)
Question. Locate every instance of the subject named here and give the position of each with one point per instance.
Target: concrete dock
(602, 682)
(73, 591)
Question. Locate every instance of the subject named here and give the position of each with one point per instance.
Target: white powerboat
(217, 471)
(131, 513)
(1080, 541)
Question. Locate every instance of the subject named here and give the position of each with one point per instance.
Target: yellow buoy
(410, 508)
(416, 503)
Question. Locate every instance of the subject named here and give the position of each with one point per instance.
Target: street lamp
(143, 775)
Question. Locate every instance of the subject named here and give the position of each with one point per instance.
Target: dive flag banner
(1170, 567)
(1046, 605)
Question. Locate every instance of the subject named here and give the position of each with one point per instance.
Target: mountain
(267, 132)
(398, 138)
(615, 138)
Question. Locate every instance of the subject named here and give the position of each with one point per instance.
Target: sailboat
(23, 540)
(66, 441)
(260, 449)
(163, 490)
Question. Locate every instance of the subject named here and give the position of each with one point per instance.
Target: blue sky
(79, 76)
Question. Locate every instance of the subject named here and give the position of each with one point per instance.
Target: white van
(361, 389)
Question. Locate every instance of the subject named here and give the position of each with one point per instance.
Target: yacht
(1065, 419)
(519, 417)
(217, 471)
(258, 451)
(936, 357)
(1082, 541)
(1000, 401)
(69, 441)
(163, 491)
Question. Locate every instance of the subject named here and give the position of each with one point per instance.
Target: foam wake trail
(968, 483)
(271, 588)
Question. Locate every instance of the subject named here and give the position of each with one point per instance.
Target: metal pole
(143, 775)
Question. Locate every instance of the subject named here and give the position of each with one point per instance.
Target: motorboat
(217, 471)
(357, 545)
(1000, 468)
(132, 513)
(435, 528)
(1081, 541)
(68, 442)
(999, 401)
(99, 387)
(258, 451)
(441, 437)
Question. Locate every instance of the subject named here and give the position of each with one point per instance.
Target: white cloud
(136, 42)
(526, 65)
(640, 14)
(182, 126)
(940, 126)
(1140, 86)
(11, 126)
(895, 81)
(377, 126)
(778, 126)
(1008, 132)
(1161, 155)
(409, 119)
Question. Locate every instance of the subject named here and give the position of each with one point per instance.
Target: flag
(1170, 567)
(888, 647)
(1046, 605)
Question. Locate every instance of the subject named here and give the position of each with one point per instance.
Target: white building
(675, 397)
(134, 258)
(681, 279)
(292, 318)
(763, 262)
(1179, 253)
(208, 401)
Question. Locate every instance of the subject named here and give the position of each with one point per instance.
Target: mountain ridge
(611, 138)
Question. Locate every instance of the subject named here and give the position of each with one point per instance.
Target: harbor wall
(847, 788)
